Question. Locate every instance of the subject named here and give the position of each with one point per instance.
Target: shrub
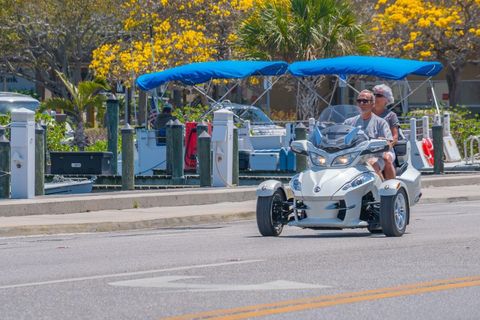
(192, 113)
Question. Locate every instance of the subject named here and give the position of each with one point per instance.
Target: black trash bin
(81, 162)
(244, 159)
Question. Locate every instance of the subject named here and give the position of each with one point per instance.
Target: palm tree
(85, 95)
(293, 30)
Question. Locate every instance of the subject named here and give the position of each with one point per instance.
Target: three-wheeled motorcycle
(340, 189)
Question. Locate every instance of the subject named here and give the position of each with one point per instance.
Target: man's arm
(387, 133)
(394, 125)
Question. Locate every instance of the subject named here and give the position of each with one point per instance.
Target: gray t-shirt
(391, 118)
(374, 127)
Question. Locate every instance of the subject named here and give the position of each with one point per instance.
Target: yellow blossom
(183, 31)
(425, 54)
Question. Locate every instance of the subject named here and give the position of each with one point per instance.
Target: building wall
(9, 82)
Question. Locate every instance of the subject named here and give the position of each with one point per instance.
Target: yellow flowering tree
(159, 34)
(448, 31)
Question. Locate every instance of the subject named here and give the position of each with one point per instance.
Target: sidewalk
(191, 214)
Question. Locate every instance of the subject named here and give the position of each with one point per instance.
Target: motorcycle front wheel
(269, 214)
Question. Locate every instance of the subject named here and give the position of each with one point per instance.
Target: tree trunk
(79, 138)
(142, 108)
(128, 105)
(307, 98)
(453, 81)
(91, 116)
(76, 72)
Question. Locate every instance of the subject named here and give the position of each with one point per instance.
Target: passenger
(383, 98)
(161, 122)
(373, 126)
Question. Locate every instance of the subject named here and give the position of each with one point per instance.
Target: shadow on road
(328, 235)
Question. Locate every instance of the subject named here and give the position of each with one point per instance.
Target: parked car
(260, 123)
(10, 101)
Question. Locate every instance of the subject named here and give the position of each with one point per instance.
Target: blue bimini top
(200, 72)
(382, 67)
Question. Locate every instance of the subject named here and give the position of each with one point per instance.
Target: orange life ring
(427, 147)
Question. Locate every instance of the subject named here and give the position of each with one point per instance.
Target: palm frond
(72, 90)
(59, 103)
(305, 29)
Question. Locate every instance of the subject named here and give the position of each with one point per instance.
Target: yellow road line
(332, 300)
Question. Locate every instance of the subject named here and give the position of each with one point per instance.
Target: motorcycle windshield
(337, 137)
(332, 135)
(338, 113)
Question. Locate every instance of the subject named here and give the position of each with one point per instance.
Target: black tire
(394, 213)
(269, 214)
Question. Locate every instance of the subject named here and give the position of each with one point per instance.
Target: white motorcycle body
(339, 189)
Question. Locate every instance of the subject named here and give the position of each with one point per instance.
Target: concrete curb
(125, 225)
(123, 200)
(169, 222)
(449, 199)
(450, 180)
(168, 198)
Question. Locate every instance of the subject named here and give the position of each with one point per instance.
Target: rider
(373, 126)
(383, 97)
(161, 122)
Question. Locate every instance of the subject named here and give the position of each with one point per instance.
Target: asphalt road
(228, 271)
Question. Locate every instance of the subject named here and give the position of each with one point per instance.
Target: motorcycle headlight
(344, 160)
(318, 160)
(358, 181)
(295, 184)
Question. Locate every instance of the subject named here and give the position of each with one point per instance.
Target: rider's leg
(389, 170)
(377, 164)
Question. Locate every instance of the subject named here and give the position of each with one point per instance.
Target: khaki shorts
(391, 153)
(378, 160)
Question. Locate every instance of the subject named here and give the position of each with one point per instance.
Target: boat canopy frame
(381, 67)
(341, 67)
(205, 72)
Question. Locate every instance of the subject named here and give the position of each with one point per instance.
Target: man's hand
(389, 142)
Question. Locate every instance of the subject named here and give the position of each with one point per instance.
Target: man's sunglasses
(378, 95)
(363, 101)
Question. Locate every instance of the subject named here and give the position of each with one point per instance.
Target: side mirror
(300, 147)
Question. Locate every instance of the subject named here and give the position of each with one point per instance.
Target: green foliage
(192, 113)
(4, 119)
(98, 146)
(56, 133)
(82, 96)
(293, 30)
(58, 140)
(97, 139)
(463, 123)
(301, 30)
(85, 95)
(30, 93)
